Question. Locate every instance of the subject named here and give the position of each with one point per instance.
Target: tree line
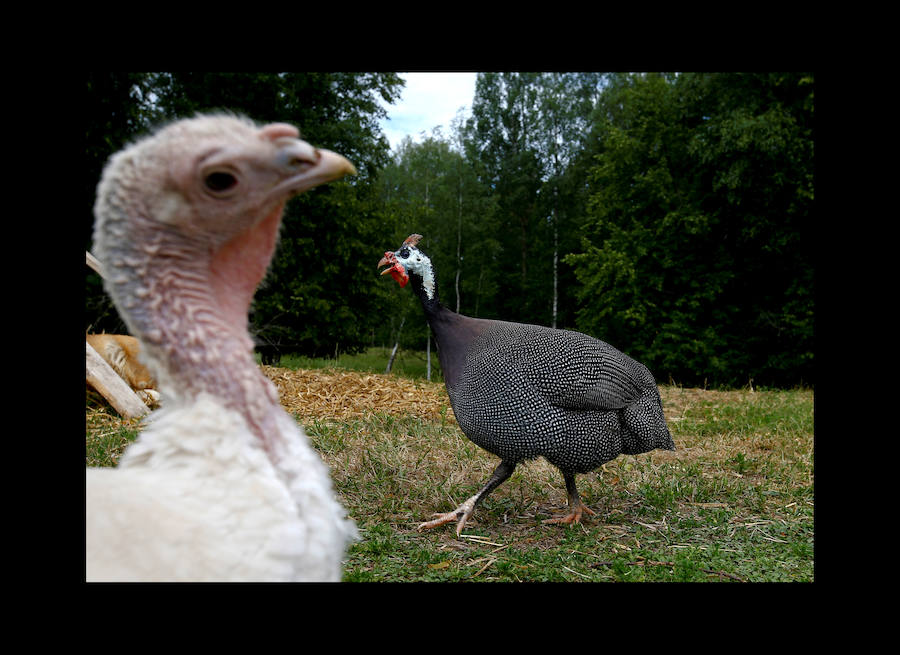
(668, 214)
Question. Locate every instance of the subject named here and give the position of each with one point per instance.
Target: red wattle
(399, 274)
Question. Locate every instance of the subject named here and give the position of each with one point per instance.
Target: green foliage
(501, 142)
(313, 302)
(696, 255)
(667, 214)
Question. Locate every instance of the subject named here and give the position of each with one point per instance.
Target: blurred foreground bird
(222, 484)
(523, 391)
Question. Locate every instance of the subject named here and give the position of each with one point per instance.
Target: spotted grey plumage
(523, 391)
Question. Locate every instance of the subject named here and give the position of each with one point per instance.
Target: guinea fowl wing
(568, 369)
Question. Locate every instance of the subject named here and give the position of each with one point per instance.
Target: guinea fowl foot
(461, 514)
(572, 517)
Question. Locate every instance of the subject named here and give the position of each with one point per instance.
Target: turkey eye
(220, 181)
(404, 252)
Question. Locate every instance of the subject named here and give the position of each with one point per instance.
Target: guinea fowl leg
(576, 507)
(464, 511)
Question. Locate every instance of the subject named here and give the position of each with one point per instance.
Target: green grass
(733, 506)
(407, 363)
(107, 435)
(734, 502)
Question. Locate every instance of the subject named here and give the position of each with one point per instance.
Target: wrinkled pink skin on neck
(204, 346)
(240, 265)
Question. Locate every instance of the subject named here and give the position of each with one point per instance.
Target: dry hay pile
(340, 395)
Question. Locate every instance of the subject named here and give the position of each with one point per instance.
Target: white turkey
(523, 391)
(222, 484)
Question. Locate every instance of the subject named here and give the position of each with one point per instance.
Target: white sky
(428, 100)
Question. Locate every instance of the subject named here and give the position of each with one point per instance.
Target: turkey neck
(187, 302)
(453, 332)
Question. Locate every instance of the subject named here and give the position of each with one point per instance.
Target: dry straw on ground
(340, 395)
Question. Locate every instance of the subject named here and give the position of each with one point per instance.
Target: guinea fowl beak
(314, 166)
(396, 268)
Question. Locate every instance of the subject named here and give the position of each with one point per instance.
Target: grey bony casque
(523, 391)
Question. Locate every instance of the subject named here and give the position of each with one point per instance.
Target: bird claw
(440, 520)
(461, 514)
(572, 517)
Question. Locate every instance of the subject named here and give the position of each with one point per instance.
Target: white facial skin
(417, 262)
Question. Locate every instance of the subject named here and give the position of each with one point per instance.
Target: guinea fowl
(523, 391)
(222, 484)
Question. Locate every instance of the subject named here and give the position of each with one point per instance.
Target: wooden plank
(94, 263)
(105, 380)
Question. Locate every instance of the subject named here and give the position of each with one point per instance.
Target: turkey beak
(310, 166)
(395, 268)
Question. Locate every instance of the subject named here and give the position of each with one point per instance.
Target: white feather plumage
(212, 505)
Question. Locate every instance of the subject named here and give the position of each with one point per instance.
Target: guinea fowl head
(186, 224)
(408, 261)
